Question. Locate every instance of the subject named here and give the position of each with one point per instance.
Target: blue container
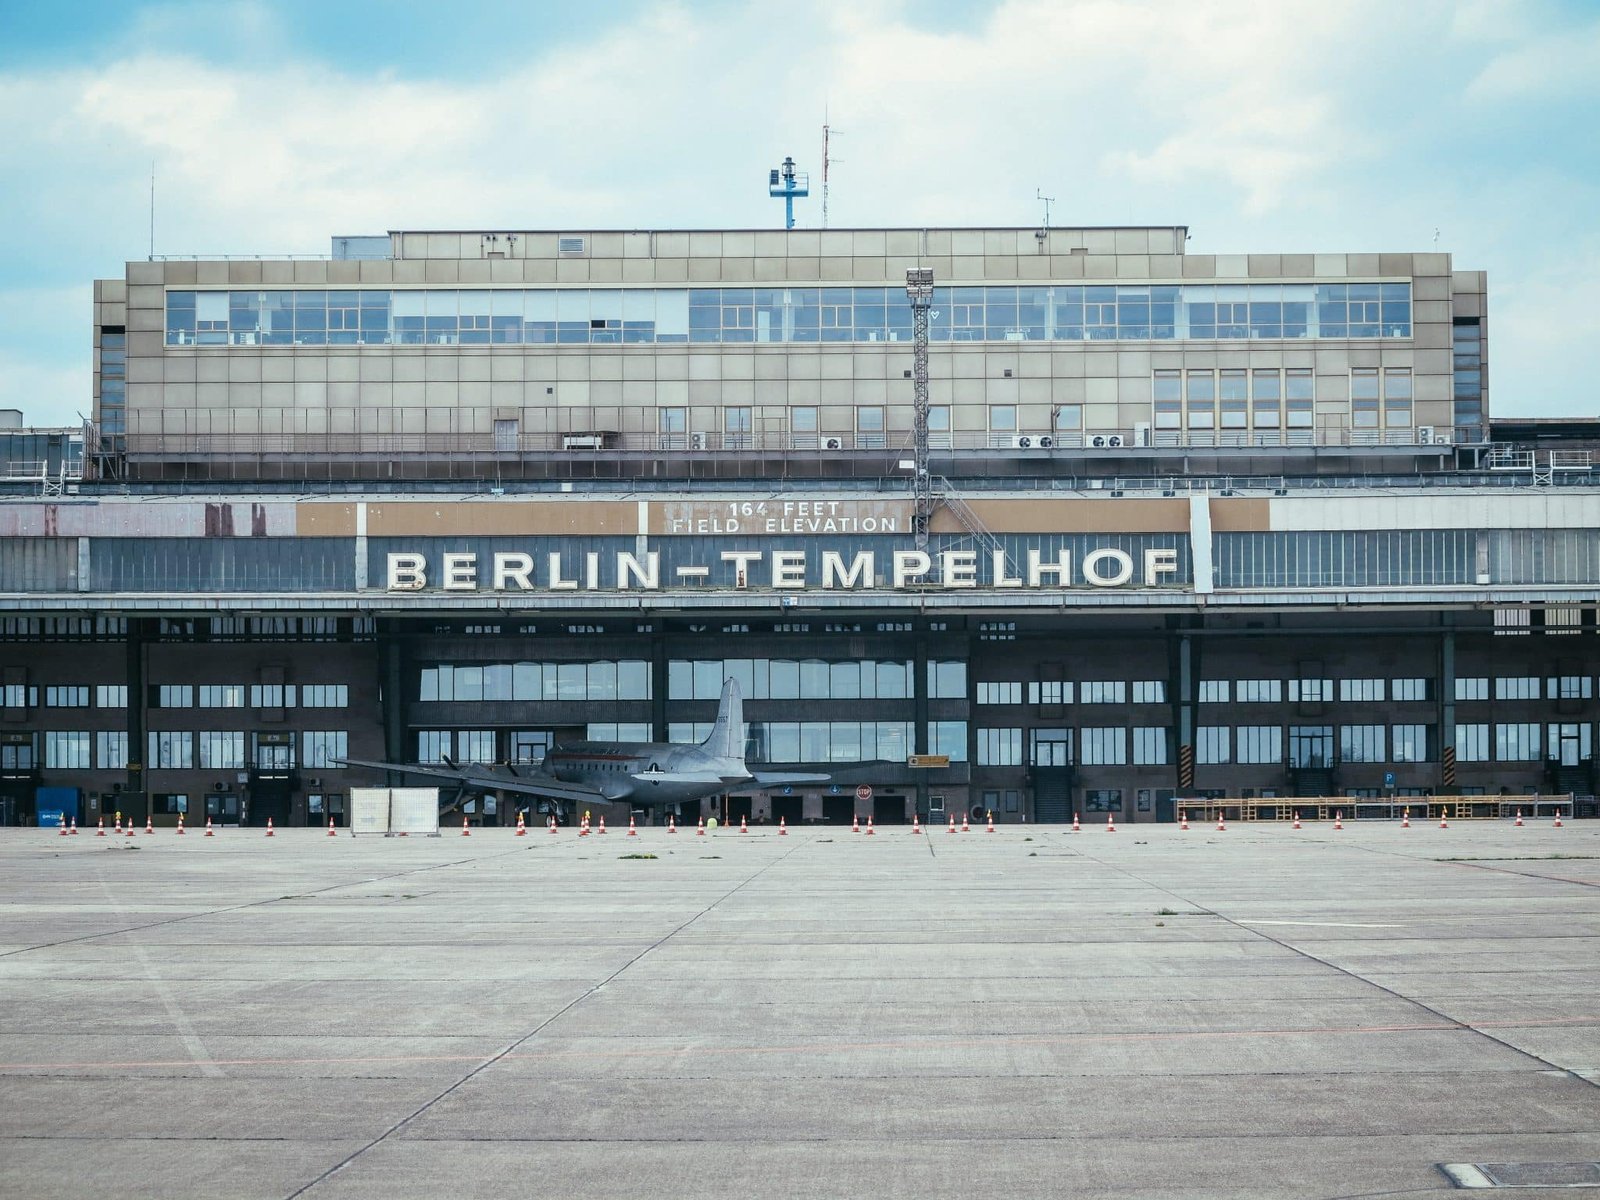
(56, 806)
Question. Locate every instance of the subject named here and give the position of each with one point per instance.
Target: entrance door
(222, 808)
(889, 810)
(1569, 744)
(1049, 754)
(838, 810)
(788, 808)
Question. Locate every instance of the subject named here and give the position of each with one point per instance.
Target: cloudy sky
(1354, 125)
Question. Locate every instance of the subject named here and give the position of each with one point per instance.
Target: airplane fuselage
(645, 773)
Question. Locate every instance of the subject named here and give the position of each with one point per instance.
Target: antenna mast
(827, 131)
(152, 210)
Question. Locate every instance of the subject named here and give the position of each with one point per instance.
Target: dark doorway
(788, 808)
(838, 810)
(888, 810)
(739, 809)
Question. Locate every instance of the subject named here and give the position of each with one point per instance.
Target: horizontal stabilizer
(772, 778)
(705, 777)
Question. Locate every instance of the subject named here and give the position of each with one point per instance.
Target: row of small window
(222, 750)
(1090, 691)
(1357, 744)
(58, 628)
(604, 680)
(1526, 687)
(1570, 743)
(1311, 691)
(261, 695)
(1234, 398)
(584, 316)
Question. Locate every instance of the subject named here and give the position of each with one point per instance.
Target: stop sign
(864, 792)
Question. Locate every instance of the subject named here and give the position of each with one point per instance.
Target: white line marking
(1326, 924)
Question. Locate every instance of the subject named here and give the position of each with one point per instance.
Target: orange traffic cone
(632, 829)
(783, 827)
(1558, 819)
(466, 830)
(208, 828)
(602, 824)
(554, 827)
(916, 824)
(1519, 818)
(855, 823)
(331, 831)
(1222, 823)
(1338, 819)
(100, 831)
(965, 828)
(871, 832)
(1183, 819)
(1111, 825)
(583, 828)
(180, 824)
(743, 827)
(952, 822)
(701, 830)
(1297, 818)
(149, 824)
(1443, 824)
(672, 823)
(129, 831)
(63, 832)
(269, 826)
(74, 830)
(116, 830)
(991, 823)
(1405, 817)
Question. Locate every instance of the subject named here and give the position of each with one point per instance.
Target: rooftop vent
(570, 245)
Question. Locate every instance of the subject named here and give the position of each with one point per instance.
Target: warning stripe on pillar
(1186, 766)
(1449, 780)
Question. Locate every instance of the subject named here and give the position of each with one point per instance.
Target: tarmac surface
(1260, 1012)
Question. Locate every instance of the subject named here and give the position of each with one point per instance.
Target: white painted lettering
(407, 572)
(1002, 575)
(460, 572)
(1122, 573)
(741, 560)
(1158, 563)
(959, 568)
(513, 568)
(1061, 569)
(558, 584)
(591, 564)
(788, 568)
(909, 565)
(648, 574)
(858, 576)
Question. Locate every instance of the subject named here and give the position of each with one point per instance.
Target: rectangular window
(222, 751)
(66, 697)
(272, 695)
(1364, 398)
(1258, 744)
(221, 695)
(174, 695)
(948, 737)
(1232, 394)
(947, 680)
(1474, 688)
(1397, 397)
(1168, 396)
(1311, 746)
(319, 746)
(1214, 691)
(1472, 743)
(1259, 691)
(1310, 691)
(1516, 687)
(1570, 687)
(1103, 746)
(1516, 742)
(999, 747)
(1299, 397)
(328, 695)
(1361, 689)
(1102, 691)
(111, 695)
(1362, 743)
(1000, 693)
(111, 749)
(171, 750)
(1201, 394)
(66, 750)
(1408, 743)
(1050, 691)
(1213, 744)
(1150, 745)
(1149, 691)
(1410, 689)
(1267, 399)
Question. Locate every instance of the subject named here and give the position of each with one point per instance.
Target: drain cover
(1523, 1175)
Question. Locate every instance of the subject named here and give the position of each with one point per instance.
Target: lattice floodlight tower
(919, 290)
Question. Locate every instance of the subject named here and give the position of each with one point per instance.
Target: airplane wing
(529, 783)
(777, 778)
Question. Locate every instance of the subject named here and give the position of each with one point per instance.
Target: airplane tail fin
(727, 735)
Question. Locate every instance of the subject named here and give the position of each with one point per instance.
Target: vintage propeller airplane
(648, 775)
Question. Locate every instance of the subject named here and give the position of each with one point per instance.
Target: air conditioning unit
(1424, 435)
(1098, 441)
(582, 441)
(833, 443)
(1023, 441)
(1141, 433)
(1442, 437)
(698, 441)
(1108, 441)
(1046, 441)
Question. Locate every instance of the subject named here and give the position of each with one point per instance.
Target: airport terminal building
(1201, 525)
